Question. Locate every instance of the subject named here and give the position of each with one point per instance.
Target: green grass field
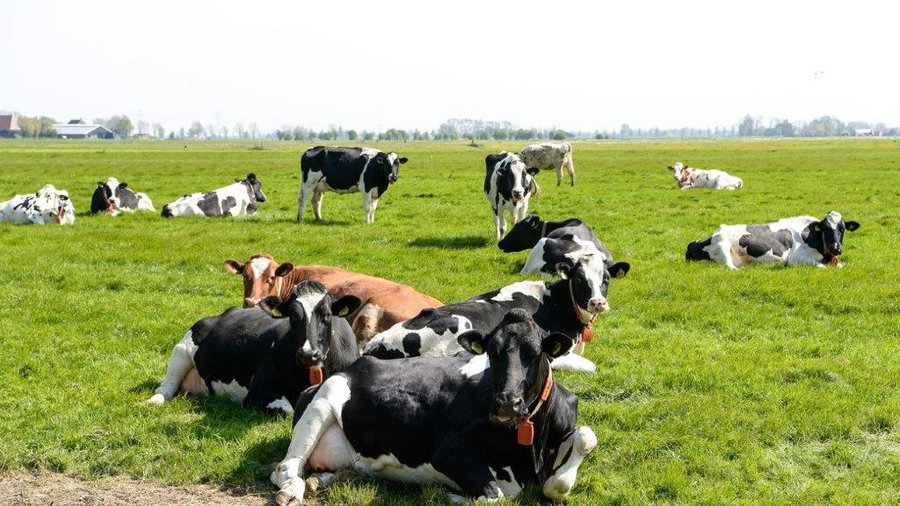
(761, 386)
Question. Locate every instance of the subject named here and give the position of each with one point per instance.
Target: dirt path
(26, 489)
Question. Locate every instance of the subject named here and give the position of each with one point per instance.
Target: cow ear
(619, 269)
(270, 306)
(284, 269)
(251, 177)
(562, 269)
(851, 225)
(472, 341)
(403, 160)
(671, 168)
(556, 344)
(817, 226)
(234, 267)
(532, 170)
(345, 305)
(99, 183)
(123, 185)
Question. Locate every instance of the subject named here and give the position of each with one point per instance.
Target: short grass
(762, 386)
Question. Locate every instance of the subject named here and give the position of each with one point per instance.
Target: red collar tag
(548, 385)
(587, 334)
(525, 432)
(315, 376)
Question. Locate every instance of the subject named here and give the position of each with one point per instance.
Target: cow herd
(391, 382)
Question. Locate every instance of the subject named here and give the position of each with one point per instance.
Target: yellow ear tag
(276, 313)
(344, 312)
(556, 348)
(476, 347)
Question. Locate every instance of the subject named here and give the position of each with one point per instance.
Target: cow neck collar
(827, 256)
(525, 428)
(544, 230)
(685, 178)
(579, 313)
(59, 214)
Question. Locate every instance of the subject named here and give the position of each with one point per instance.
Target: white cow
(550, 156)
(233, 200)
(689, 177)
(47, 205)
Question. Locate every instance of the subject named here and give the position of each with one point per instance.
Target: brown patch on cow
(193, 384)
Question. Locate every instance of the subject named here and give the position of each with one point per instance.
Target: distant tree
(181, 133)
(352, 135)
(326, 135)
(368, 136)
(158, 131)
(195, 130)
(559, 135)
(523, 134)
(143, 127)
(120, 125)
(172, 136)
(625, 131)
(747, 126)
(254, 129)
(224, 132)
(239, 131)
(210, 130)
(100, 121)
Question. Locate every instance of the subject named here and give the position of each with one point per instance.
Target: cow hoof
(156, 400)
(292, 491)
(585, 440)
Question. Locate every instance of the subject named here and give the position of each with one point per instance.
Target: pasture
(760, 386)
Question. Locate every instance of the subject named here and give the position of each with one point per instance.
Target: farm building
(78, 129)
(9, 126)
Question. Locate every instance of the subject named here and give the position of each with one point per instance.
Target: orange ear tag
(587, 334)
(834, 261)
(525, 432)
(315, 375)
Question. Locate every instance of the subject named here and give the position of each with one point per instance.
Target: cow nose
(250, 302)
(507, 407)
(598, 305)
(309, 358)
(837, 248)
(517, 194)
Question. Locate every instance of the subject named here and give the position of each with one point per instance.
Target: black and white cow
(346, 170)
(800, 240)
(550, 155)
(115, 197)
(690, 177)
(235, 199)
(508, 184)
(485, 425)
(261, 360)
(47, 205)
(567, 306)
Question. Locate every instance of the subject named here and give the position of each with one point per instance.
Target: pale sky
(585, 65)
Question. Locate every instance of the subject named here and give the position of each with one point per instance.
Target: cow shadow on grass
(464, 242)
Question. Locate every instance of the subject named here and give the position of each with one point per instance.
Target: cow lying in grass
(800, 240)
(236, 199)
(47, 205)
(260, 360)
(115, 198)
(689, 177)
(485, 425)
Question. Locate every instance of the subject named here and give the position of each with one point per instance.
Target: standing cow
(259, 360)
(689, 177)
(235, 199)
(803, 240)
(550, 155)
(484, 425)
(346, 170)
(508, 184)
(384, 302)
(114, 198)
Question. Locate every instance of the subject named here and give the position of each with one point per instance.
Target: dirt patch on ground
(27, 489)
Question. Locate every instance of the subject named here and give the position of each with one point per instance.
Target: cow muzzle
(598, 305)
(507, 409)
(250, 301)
(313, 358)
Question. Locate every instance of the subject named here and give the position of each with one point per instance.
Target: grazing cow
(384, 303)
(255, 358)
(790, 241)
(550, 156)
(346, 170)
(115, 197)
(508, 184)
(689, 177)
(567, 306)
(47, 205)
(485, 425)
(233, 200)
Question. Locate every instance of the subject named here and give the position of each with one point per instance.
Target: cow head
(827, 236)
(524, 234)
(262, 276)
(254, 187)
(105, 198)
(514, 179)
(389, 164)
(318, 329)
(681, 173)
(519, 352)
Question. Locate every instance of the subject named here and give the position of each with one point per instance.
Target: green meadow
(767, 385)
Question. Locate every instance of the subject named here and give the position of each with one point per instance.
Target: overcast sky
(585, 65)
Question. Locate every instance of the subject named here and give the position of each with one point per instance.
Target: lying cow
(508, 184)
(550, 156)
(346, 170)
(799, 240)
(114, 198)
(484, 426)
(255, 358)
(235, 199)
(384, 303)
(689, 177)
(47, 205)
(568, 306)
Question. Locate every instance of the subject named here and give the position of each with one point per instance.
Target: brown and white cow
(384, 303)
(550, 155)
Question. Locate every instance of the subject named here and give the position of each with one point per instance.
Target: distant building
(9, 126)
(864, 132)
(78, 129)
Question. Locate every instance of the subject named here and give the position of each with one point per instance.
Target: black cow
(566, 306)
(803, 240)
(346, 170)
(261, 360)
(508, 184)
(484, 430)
(115, 197)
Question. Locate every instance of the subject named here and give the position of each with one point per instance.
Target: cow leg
(498, 220)
(317, 197)
(559, 175)
(180, 364)
(319, 416)
(266, 391)
(570, 168)
(720, 251)
(302, 198)
(464, 466)
(581, 442)
(373, 205)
